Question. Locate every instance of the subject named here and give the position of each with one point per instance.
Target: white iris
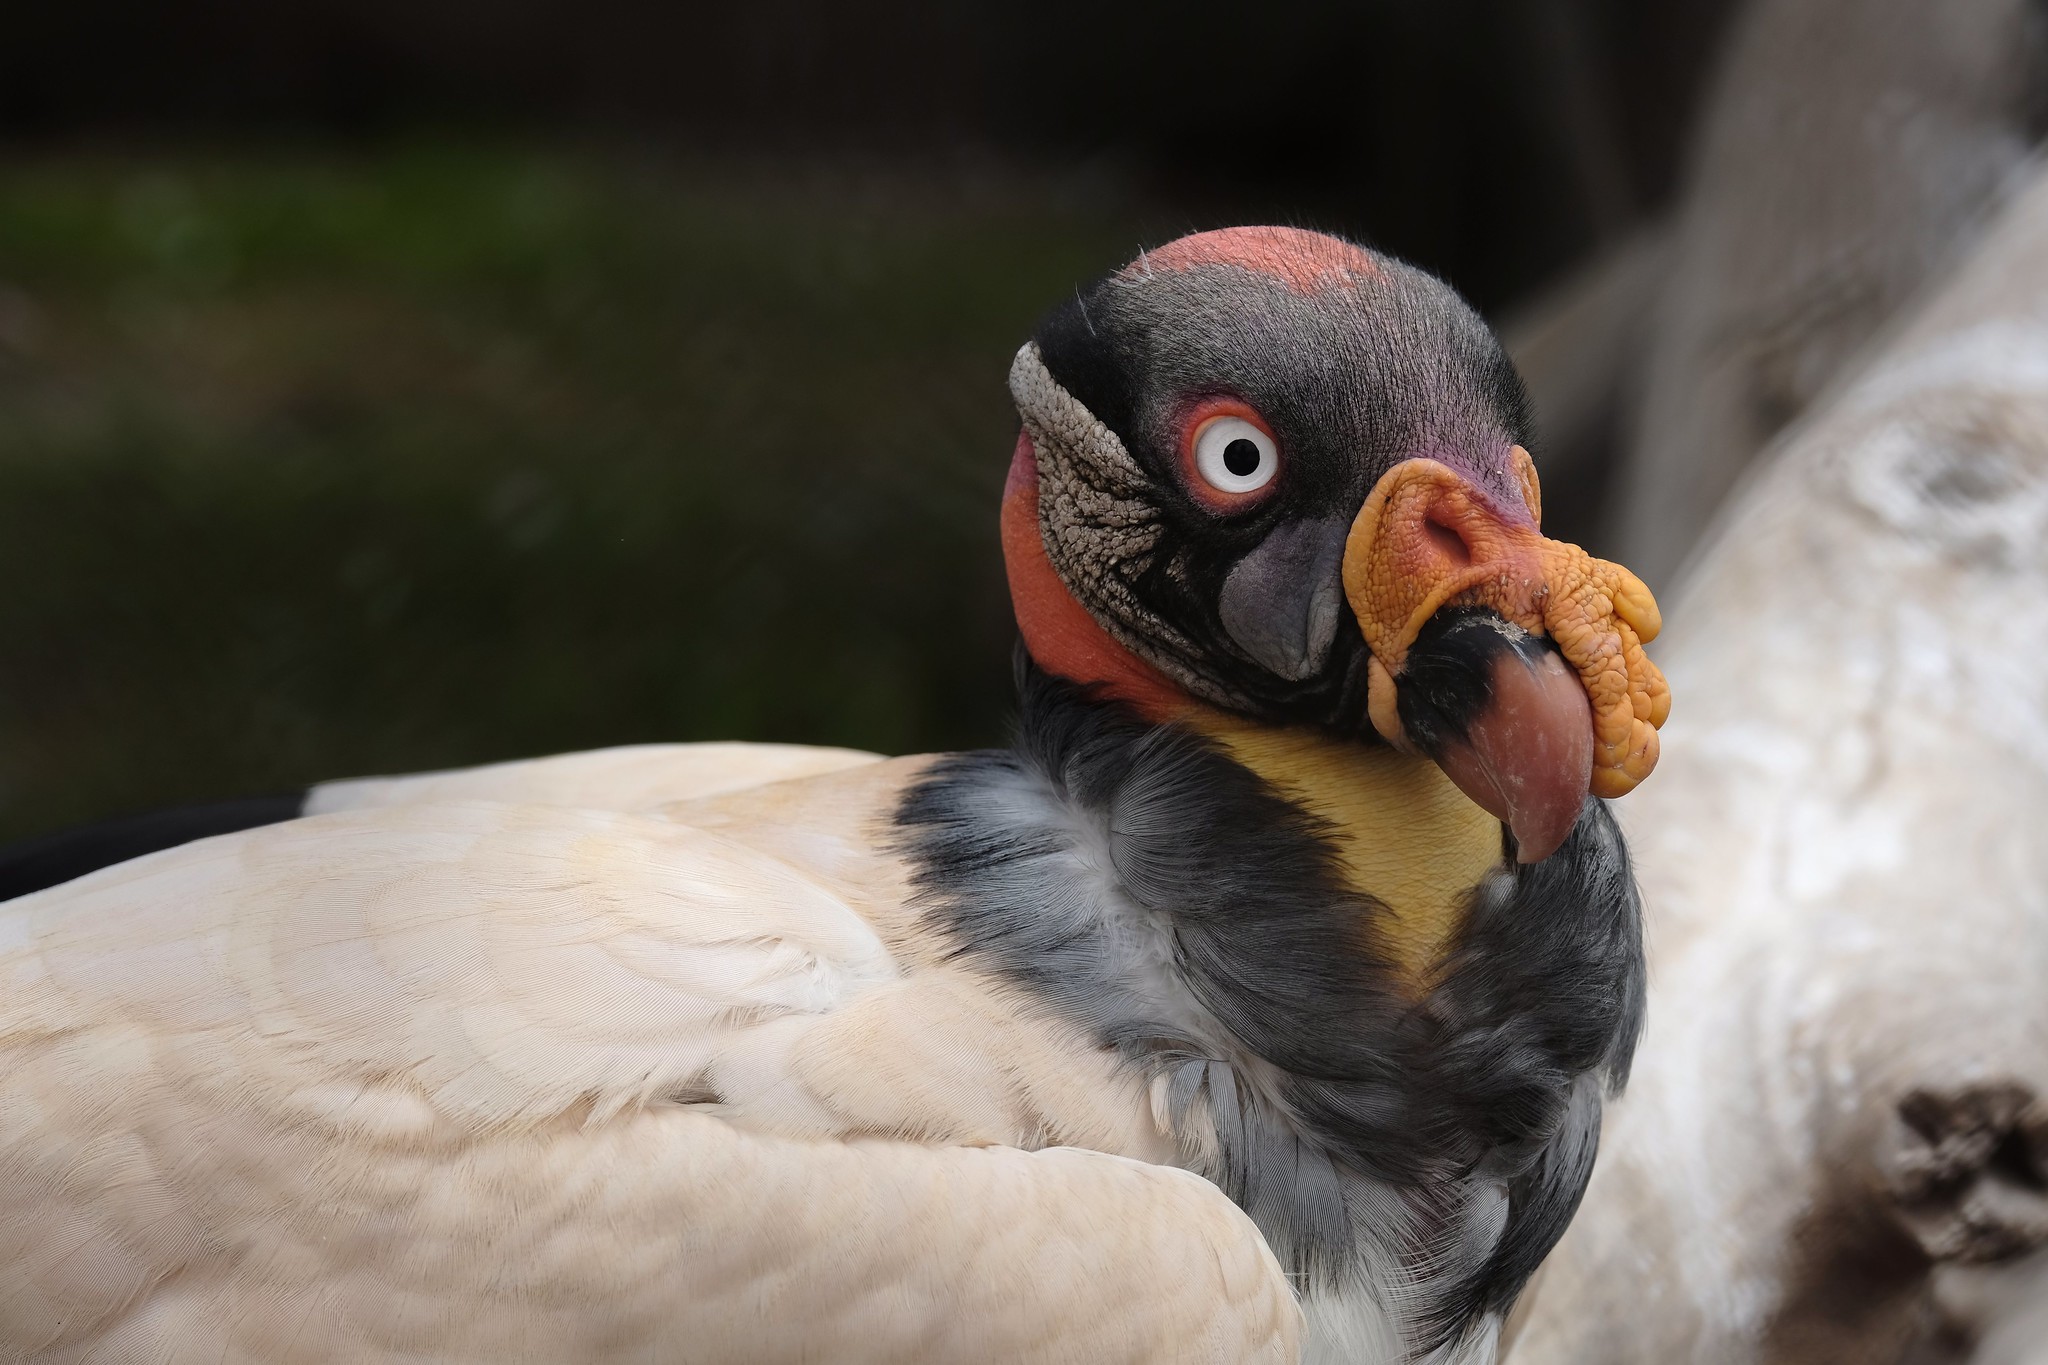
(1233, 456)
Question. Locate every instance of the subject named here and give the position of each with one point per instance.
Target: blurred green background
(325, 464)
(385, 387)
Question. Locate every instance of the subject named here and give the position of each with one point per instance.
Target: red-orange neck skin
(1062, 637)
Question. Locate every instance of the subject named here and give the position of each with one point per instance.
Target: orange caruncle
(1427, 538)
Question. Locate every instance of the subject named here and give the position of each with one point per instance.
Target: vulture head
(1269, 471)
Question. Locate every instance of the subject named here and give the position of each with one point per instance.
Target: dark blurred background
(387, 385)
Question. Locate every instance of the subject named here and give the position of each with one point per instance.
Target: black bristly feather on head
(1351, 378)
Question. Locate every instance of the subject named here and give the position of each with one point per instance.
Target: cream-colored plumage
(628, 778)
(518, 1081)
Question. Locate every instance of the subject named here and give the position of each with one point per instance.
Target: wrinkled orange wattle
(1427, 539)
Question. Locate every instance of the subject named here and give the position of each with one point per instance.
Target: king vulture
(1257, 1003)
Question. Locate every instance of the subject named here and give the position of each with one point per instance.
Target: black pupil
(1241, 456)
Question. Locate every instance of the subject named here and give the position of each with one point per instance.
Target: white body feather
(456, 1080)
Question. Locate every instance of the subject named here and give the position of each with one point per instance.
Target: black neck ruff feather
(1141, 883)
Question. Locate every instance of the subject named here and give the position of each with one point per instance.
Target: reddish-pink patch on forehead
(1307, 262)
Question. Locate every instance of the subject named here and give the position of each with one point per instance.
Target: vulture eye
(1232, 455)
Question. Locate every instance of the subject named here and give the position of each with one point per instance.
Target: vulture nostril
(1448, 542)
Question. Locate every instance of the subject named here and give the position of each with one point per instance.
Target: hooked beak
(1514, 661)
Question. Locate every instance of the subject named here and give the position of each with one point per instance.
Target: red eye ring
(1220, 491)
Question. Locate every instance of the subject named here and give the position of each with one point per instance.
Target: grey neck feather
(1409, 1161)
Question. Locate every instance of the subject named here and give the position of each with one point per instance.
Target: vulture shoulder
(518, 1081)
(632, 777)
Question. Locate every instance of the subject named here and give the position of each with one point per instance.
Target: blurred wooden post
(1847, 152)
(1842, 1103)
